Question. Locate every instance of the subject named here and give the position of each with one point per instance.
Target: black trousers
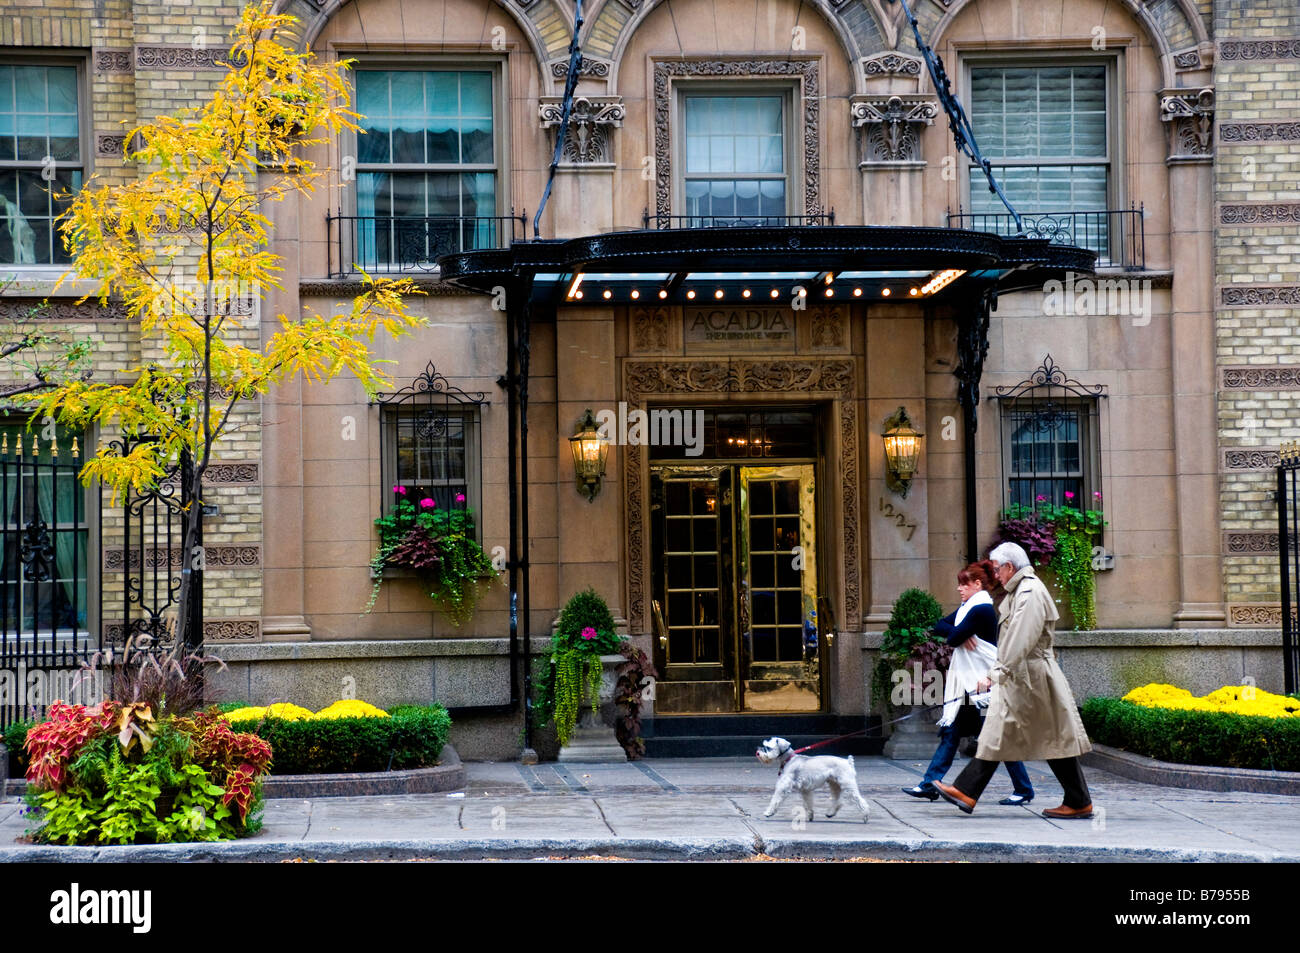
(976, 776)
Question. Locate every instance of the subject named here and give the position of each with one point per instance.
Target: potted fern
(579, 678)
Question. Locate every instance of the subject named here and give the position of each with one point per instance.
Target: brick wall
(142, 60)
(1257, 276)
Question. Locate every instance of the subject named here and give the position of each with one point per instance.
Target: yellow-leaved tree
(185, 246)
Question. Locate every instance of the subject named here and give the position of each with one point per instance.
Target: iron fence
(1118, 236)
(1288, 539)
(402, 244)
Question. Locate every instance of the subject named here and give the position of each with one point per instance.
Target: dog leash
(863, 731)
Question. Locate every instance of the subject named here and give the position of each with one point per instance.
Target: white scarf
(967, 666)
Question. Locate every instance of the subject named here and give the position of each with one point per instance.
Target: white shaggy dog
(806, 775)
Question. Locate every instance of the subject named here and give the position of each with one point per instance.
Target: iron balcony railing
(1118, 236)
(379, 244)
(734, 221)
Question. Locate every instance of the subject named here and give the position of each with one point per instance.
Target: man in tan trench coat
(1031, 713)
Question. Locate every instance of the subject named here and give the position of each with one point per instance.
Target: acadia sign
(753, 327)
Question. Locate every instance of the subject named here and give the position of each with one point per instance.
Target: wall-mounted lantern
(590, 451)
(902, 451)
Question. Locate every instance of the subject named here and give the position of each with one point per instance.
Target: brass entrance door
(735, 588)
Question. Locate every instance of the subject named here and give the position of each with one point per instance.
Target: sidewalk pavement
(711, 809)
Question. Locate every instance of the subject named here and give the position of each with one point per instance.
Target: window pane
(732, 134)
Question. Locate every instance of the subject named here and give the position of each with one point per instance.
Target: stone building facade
(1163, 138)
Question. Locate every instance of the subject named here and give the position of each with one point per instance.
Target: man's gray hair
(1010, 553)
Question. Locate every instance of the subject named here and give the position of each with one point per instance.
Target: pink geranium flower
(460, 497)
(588, 633)
(1041, 498)
(400, 489)
(428, 503)
(1069, 495)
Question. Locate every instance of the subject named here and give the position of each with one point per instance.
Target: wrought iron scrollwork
(428, 383)
(1049, 374)
(37, 552)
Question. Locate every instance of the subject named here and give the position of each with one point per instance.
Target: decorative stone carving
(179, 58)
(1189, 115)
(891, 63)
(1187, 59)
(1250, 458)
(1259, 132)
(807, 70)
(589, 67)
(829, 377)
(113, 61)
(27, 309)
(1260, 377)
(650, 329)
(350, 289)
(1261, 213)
(1255, 615)
(827, 326)
(117, 559)
(232, 630)
(588, 136)
(110, 146)
(1275, 49)
(1260, 296)
(892, 126)
(1245, 544)
(226, 474)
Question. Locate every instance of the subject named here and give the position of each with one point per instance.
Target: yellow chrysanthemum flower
(351, 708)
(287, 711)
(1232, 699)
(247, 713)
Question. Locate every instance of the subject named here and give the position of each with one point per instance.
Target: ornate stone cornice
(891, 126)
(1249, 458)
(1189, 118)
(228, 474)
(1260, 213)
(1259, 296)
(889, 64)
(214, 630)
(1285, 48)
(1234, 132)
(805, 69)
(588, 138)
(1247, 544)
(737, 377)
(113, 61)
(1260, 377)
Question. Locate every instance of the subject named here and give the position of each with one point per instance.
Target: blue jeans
(949, 738)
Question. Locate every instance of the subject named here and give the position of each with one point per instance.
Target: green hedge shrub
(411, 737)
(1195, 737)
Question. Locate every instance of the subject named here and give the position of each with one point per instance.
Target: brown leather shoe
(1068, 813)
(953, 796)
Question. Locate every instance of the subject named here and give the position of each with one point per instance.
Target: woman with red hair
(972, 631)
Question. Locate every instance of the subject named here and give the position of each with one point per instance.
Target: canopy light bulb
(775, 293)
(691, 293)
(884, 292)
(663, 293)
(745, 293)
(608, 294)
(635, 294)
(857, 292)
(718, 293)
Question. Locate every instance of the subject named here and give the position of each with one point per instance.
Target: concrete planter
(914, 738)
(594, 740)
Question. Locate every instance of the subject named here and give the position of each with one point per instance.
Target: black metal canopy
(871, 256)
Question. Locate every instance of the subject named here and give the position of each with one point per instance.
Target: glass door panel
(777, 589)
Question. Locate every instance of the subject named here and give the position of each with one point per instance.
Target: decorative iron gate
(67, 593)
(1288, 539)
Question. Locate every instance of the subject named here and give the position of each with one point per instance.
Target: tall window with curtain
(735, 157)
(43, 560)
(40, 158)
(426, 164)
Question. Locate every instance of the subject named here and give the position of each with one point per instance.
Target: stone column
(890, 127)
(1189, 118)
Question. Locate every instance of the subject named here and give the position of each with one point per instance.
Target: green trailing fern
(584, 633)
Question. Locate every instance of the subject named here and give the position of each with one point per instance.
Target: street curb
(1198, 777)
(704, 849)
